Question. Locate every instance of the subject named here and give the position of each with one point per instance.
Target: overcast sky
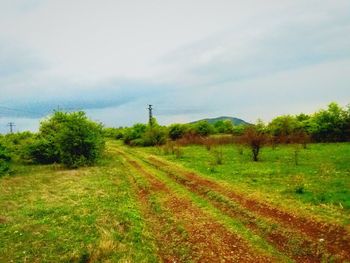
(189, 58)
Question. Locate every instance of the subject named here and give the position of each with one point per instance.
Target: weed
(218, 156)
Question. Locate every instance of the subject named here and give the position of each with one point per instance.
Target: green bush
(5, 159)
(176, 131)
(80, 140)
(68, 138)
(114, 133)
(203, 128)
(16, 144)
(155, 135)
(135, 132)
(223, 126)
(42, 151)
(145, 135)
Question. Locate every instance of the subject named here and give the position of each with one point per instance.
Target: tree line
(73, 140)
(327, 125)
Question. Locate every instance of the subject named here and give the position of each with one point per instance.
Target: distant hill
(235, 121)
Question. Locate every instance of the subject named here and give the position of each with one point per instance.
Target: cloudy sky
(189, 58)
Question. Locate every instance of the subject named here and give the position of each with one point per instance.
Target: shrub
(114, 133)
(80, 140)
(5, 159)
(176, 131)
(42, 151)
(218, 156)
(68, 138)
(145, 135)
(155, 135)
(135, 132)
(16, 144)
(203, 128)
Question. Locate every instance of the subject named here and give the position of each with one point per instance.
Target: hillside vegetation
(235, 121)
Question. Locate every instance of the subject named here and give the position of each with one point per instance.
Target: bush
(145, 135)
(135, 132)
(203, 128)
(16, 144)
(176, 131)
(153, 136)
(68, 138)
(114, 133)
(5, 159)
(42, 151)
(223, 126)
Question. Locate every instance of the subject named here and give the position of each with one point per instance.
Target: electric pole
(150, 115)
(11, 125)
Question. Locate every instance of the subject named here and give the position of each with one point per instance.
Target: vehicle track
(206, 239)
(335, 239)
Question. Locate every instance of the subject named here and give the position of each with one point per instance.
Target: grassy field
(53, 215)
(141, 205)
(320, 182)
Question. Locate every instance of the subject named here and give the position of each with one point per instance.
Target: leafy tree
(284, 125)
(331, 124)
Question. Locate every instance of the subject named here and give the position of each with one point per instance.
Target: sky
(191, 59)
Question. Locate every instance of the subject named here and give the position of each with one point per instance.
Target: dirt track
(206, 240)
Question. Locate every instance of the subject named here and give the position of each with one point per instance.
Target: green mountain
(235, 121)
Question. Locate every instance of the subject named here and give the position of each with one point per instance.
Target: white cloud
(182, 55)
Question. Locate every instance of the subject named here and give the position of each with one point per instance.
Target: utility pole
(150, 115)
(11, 125)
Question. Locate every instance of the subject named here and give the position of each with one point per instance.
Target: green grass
(321, 180)
(53, 215)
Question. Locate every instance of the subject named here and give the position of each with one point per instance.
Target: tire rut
(208, 240)
(334, 238)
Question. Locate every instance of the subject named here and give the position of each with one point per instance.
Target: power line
(20, 110)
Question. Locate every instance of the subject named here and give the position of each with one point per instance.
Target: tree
(330, 125)
(254, 137)
(283, 127)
